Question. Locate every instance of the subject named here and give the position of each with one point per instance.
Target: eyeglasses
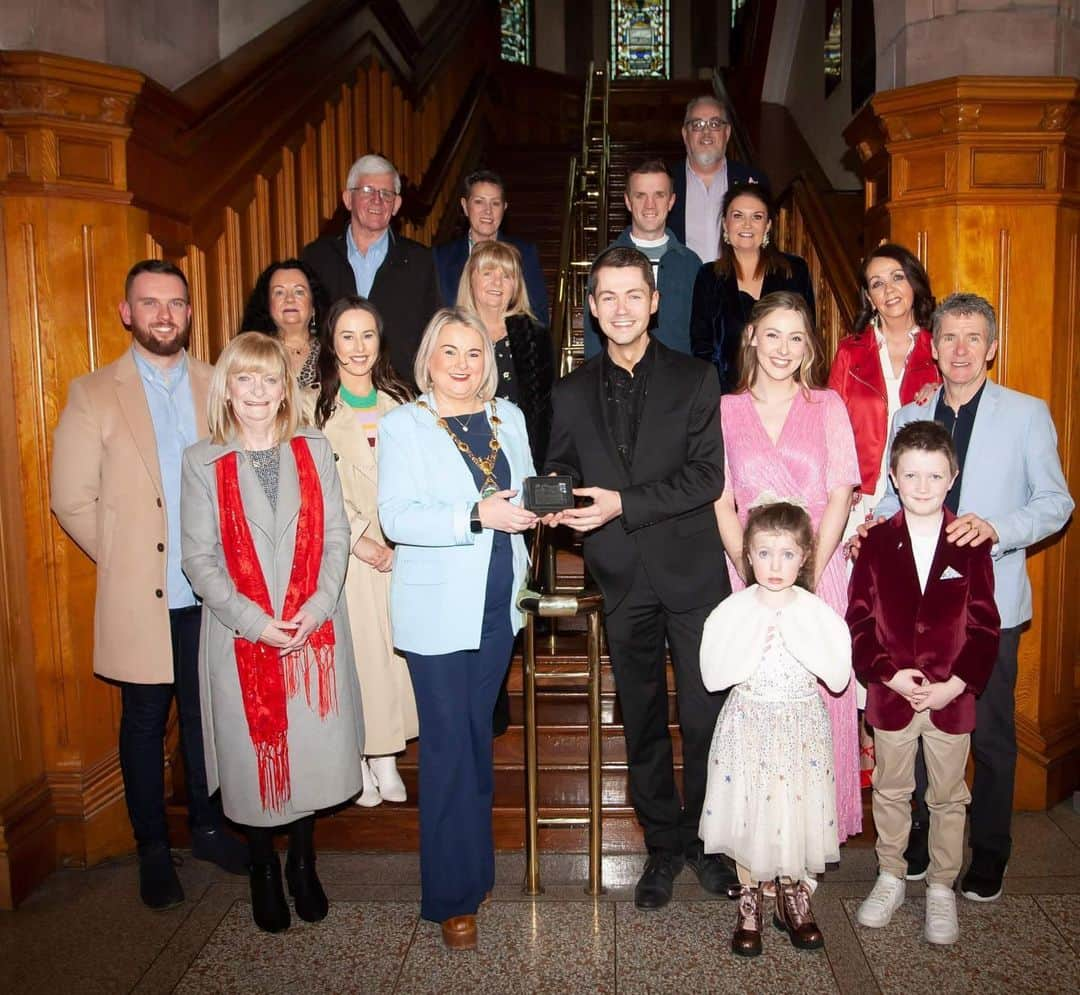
(386, 196)
(713, 124)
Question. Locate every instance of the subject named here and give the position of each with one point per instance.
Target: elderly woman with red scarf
(265, 543)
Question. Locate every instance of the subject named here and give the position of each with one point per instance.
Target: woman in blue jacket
(451, 466)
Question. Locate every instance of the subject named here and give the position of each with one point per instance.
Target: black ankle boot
(304, 885)
(268, 906)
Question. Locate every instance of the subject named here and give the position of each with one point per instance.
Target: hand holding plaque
(547, 495)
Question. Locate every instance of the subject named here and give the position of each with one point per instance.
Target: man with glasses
(702, 181)
(395, 273)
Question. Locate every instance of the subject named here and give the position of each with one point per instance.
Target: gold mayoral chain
(486, 465)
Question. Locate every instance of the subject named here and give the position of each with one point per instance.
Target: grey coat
(324, 754)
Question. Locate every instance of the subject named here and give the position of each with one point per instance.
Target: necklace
(464, 425)
(486, 465)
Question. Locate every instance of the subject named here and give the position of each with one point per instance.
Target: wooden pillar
(980, 176)
(68, 234)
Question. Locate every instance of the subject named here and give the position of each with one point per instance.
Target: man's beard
(151, 343)
(706, 158)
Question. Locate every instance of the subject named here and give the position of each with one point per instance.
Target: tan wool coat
(389, 706)
(106, 494)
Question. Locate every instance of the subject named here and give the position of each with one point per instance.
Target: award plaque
(544, 495)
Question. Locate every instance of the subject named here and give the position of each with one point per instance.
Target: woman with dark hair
(286, 302)
(357, 386)
(787, 437)
(886, 364)
(749, 267)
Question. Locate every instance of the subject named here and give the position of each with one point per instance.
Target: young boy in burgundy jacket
(924, 631)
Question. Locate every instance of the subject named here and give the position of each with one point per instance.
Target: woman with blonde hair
(265, 544)
(450, 467)
(493, 285)
(787, 437)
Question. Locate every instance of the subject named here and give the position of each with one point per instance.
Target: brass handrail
(558, 604)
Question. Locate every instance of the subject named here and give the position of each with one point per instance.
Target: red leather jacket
(857, 377)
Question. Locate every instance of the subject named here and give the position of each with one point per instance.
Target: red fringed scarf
(268, 680)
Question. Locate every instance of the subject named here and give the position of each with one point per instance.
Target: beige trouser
(894, 780)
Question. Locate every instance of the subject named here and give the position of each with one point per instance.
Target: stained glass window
(517, 39)
(834, 45)
(639, 39)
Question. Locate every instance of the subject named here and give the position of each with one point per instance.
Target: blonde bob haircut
(809, 375)
(250, 352)
(489, 382)
(508, 259)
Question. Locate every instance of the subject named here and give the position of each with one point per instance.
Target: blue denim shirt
(172, 410)
(366, 264)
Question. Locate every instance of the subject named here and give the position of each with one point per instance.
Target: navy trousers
(455, 696)
(143, 718)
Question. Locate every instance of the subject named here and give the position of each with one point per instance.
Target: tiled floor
(86, 932)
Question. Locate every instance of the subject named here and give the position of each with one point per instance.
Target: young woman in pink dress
(786, 437)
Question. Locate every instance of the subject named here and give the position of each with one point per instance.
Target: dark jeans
(145, 713)
(993, 748)
(637, 630)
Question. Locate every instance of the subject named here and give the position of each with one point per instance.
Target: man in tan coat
(116, 465)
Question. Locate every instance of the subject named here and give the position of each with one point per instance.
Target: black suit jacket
(406, 290)
(668, 523)
(737, 172)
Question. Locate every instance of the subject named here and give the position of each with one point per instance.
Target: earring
(765, 240)
(724, 235)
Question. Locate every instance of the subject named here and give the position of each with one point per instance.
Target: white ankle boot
(385, 772)
(371, 796)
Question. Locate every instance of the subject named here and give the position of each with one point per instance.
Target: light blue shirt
(704, 212)
(172, 410)
(366, 264)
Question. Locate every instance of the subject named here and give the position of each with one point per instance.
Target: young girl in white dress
(770, 803)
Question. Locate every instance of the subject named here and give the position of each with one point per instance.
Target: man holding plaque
(638, 430)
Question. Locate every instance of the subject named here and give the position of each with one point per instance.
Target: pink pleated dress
(814, 454)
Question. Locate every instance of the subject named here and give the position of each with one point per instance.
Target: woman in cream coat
(357, 387)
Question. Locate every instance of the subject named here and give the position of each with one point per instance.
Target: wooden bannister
(804, 228)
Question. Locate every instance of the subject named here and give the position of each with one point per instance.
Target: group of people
(323, 540)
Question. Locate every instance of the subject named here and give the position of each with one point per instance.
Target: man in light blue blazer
(1011, 492)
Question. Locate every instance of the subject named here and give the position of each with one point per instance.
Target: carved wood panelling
(1006, 226)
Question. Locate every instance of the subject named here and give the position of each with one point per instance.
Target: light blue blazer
(426, 494)
(1012, 478)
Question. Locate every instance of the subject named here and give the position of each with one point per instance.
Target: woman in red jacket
(886, 363)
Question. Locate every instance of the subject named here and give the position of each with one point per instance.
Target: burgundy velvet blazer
(950, 628)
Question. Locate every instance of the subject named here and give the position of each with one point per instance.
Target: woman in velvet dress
(749, 267)
(786, 439)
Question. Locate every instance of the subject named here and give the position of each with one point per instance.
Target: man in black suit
(395, 273)
(702, 180)
(639, 428)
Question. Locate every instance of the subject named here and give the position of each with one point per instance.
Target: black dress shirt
(959, 423)
(624, 394)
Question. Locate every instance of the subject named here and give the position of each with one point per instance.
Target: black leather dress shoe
(657, 882)
(713, 872)
(159, 887)
(218, 847)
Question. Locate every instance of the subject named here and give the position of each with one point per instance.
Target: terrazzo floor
(86, 932)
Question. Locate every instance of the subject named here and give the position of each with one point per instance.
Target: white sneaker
(385, 772)
(370, 797)
(941, 925)
(885, 898)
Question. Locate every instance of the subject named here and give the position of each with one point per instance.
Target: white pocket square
(950, 574)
